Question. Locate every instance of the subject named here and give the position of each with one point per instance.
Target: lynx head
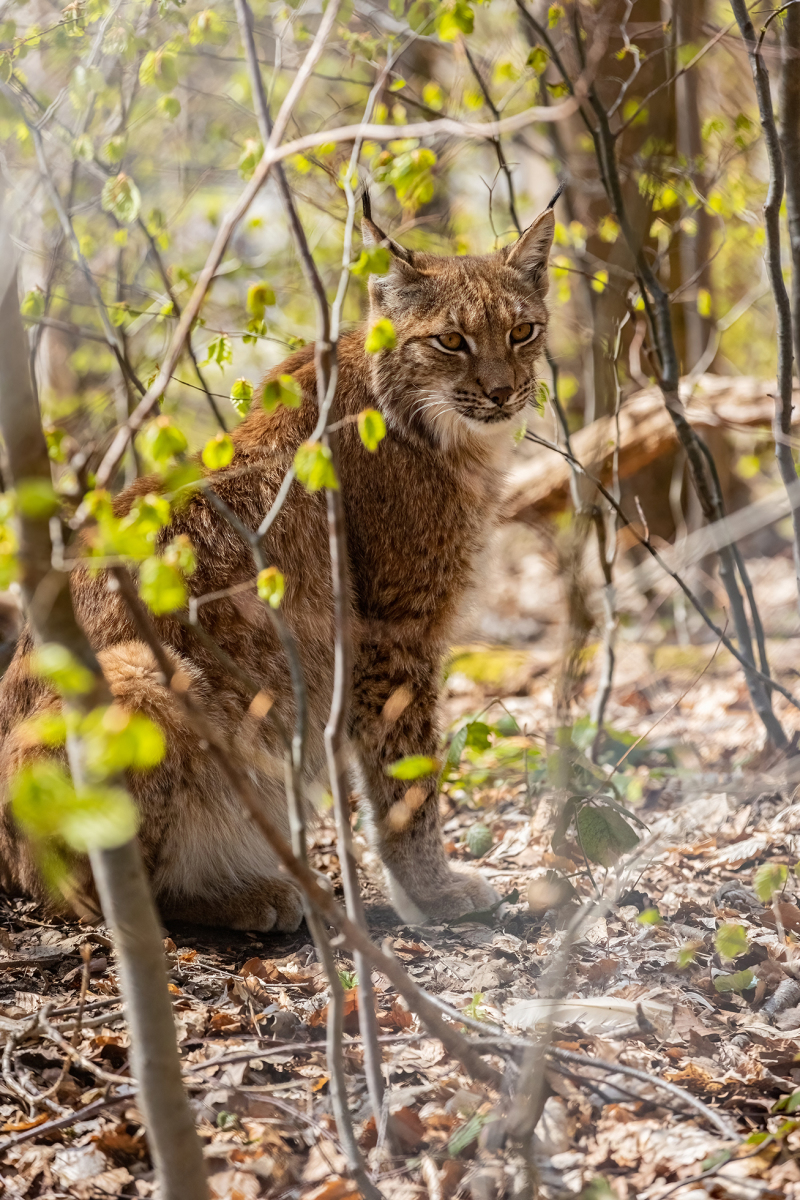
(470, 332)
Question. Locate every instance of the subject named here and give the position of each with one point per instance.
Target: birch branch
(125, 897)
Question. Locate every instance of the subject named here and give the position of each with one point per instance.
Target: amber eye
(452, 341)
(521, 333)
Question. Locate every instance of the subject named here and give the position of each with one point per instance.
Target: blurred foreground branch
(118, 871)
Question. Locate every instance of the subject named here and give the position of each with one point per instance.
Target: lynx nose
(500, 395)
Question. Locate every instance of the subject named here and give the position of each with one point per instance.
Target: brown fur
(419, 512)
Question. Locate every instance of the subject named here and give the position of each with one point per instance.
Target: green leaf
(219, 350)
(649, 916)
(249, 157)
(769, 879)
(114, 149)
(604, 835)
(46, 806)
(162, 440)
(738, 982)
(454, 19)
(208, 27)
(457, 746)
(242, 396)
(116, 740)
(284, 390)
(83, 148)
(271, 586)
(730, 941)
(687, 953)
(792, 1102)
(161, 586)
(121, 197)
(314, 467)
(40, 792)
(371, 428)
(373, 260)
(538, 59)
(61, 669)
(554, 14)
(170, 106)
(159, 69)
(179, 553)
(100, 818)
(218, 452)
(414, 766)
(466, 1134)
(36, 498)
(432, 95)
(260, 297)
(33, 303)
(479, 839)
(704, 302)
(380, 337)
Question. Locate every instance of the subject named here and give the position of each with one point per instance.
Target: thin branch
(789, 132)
(657, 303)
(162, 270)
(646, 543)
(235, 771)
(772, 229)
(498, 145)
(275, 153)
(119, 873)
(113, 336)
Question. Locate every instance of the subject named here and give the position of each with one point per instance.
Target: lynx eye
(522, 333)
(452, 341)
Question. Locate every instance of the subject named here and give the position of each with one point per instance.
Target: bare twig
(657, 306)
(119, 873)
(772, 229)
(157, 259)
(325, 904)
(654, 553)
(275, 153)
(789, 132)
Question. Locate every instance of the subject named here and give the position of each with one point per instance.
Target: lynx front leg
(394, 716)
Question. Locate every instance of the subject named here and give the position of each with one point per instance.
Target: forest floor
(650, 983)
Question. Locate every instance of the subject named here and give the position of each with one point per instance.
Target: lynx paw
(468, 892)
(464, 891)
(275, 904)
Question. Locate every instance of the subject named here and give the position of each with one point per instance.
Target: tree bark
(124, 893)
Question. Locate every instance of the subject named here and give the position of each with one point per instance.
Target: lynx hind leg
(20, 873)
(208, 862)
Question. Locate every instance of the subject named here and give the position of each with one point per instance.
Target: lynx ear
(530, 252)
(372, 235)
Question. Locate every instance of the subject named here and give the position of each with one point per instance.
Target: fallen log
(540, 486)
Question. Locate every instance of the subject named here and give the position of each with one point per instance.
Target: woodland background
(624, 780)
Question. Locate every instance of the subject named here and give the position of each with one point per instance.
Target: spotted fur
(419, 512)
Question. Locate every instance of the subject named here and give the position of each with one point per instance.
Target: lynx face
(470, 333)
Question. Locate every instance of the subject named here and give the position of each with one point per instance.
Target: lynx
(470, 332)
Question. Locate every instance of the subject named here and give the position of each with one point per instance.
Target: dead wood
(540, 486)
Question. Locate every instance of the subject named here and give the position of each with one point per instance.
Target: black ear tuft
(366, 203)
(559, 190)
(373, 235)
(530, 252)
